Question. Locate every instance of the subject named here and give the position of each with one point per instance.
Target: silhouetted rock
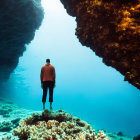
(18, 21)
(136, 137)
(120, 134)
(111, 28)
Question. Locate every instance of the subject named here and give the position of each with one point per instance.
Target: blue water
(84, 85)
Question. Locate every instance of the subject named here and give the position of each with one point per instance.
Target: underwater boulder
(15, 122)
(5, 126)
(112, 30)
(136, 137)
(19, 19)
(120, 134)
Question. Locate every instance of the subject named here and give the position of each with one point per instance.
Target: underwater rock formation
(5, 126)
(18, 21)
(111, 28)
(137, 137)
(56, 125)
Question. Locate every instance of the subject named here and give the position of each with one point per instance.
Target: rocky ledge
(19, 19)
(111, 28)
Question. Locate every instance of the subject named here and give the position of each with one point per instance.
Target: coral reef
(56, 125)
(60, 121)
(18, 21)
(112, 30)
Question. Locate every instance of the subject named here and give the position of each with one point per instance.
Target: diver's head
(48, 61)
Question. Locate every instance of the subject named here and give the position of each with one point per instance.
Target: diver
(47, 77)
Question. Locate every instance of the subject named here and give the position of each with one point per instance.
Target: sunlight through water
(85, 86)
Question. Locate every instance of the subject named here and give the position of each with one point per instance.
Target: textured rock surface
(18, 21)
(111, 29)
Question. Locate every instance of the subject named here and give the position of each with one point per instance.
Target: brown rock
(112, 30)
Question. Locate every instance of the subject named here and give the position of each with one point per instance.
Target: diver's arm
(54, 76)
(41, 75)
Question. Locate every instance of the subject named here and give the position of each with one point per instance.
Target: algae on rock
(112, 30)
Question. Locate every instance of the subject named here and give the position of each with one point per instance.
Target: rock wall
(19, 20)
(111, 28)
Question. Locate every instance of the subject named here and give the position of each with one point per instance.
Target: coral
(56, 125)
(18, 22)
(112, 30)
(59, 123)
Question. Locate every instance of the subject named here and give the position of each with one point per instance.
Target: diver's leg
(44, 94)
(50, 106)
(43, 105)
(51, 94)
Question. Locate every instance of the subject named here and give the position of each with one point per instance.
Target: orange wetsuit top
(47, 73)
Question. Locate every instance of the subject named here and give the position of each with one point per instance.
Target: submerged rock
(56, 125)
(137, 137)
(111, 28)
(10, 115)
(120, 134)
(6, 126)
(19, 20)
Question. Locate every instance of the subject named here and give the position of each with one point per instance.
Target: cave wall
(19, 19)
(111, 28)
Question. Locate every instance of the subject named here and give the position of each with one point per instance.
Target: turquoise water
(84, 85)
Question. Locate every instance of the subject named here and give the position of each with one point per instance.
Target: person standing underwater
(47, 77)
